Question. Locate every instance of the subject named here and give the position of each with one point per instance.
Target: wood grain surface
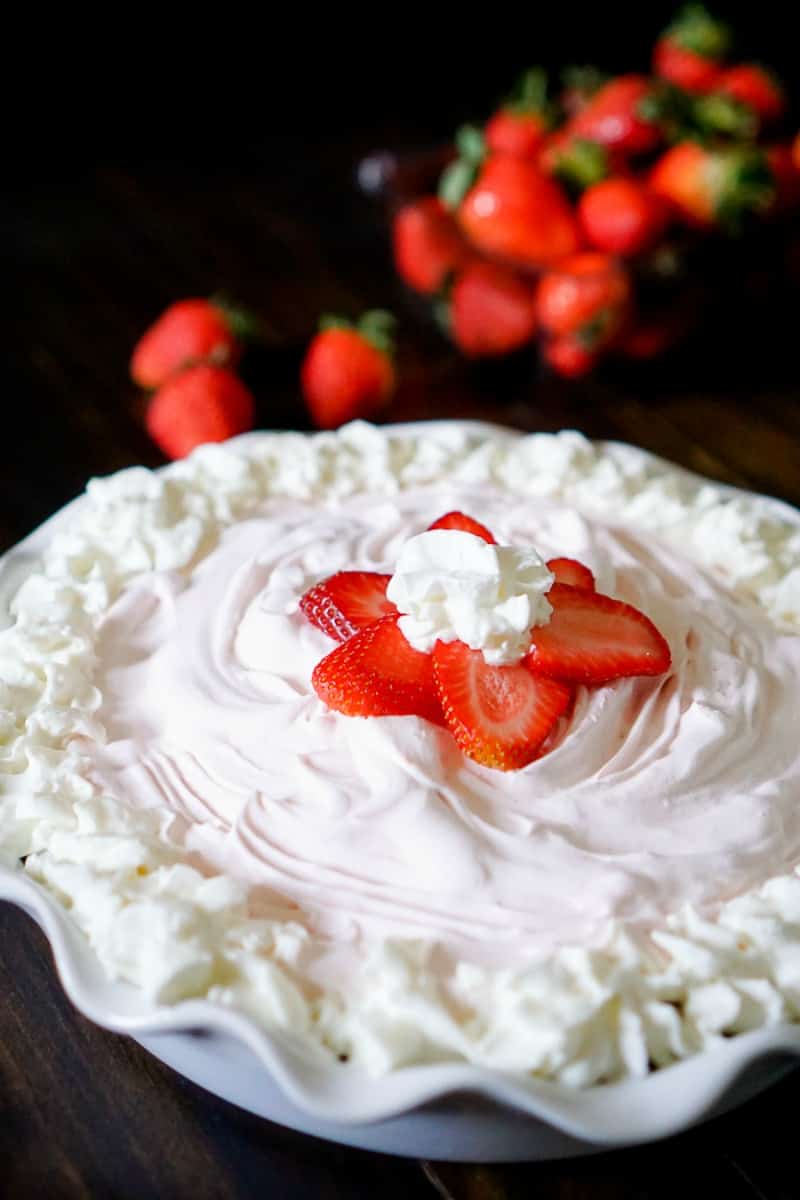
(91, 257)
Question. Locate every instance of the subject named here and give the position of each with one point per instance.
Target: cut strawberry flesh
(569, 570)
(464, 524)
(593, 639)
(376, 673)
(500, 716)
(347, 602)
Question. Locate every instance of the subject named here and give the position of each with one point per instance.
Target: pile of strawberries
(556, 224)
(500, 716)
(550, 220)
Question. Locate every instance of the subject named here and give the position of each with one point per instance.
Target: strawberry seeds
(500, 716)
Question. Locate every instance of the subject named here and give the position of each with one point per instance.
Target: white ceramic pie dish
(450, 1111)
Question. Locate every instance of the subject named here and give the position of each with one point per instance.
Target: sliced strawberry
(500, 716)
(464, 524)
(347, 602)
(592, 638)
(569, 570)
(376, 673)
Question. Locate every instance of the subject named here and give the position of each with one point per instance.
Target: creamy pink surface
(657, 792)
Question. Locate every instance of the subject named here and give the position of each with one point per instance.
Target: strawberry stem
(584, 80)
(681, 115)
(529, 94)
(582, 163)
(695, 29)
(748, 186)
(329, 321)
(375, 326)
(593, 332)
(724, 115)
(243, 323)
(459, 176)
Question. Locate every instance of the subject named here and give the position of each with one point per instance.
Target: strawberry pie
(424, 743)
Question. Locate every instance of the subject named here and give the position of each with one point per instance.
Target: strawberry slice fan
(500, 716)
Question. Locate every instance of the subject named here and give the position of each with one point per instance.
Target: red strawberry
(653, 336)
(785, 170)
(500, 716)
(613, 117)
(428, 245)
(689, 52)
(347, 602)
(348, 371)
(520, 126)
(684, 68)
(622, 216)
(586, 298)
(204, 403)
(754, 87)
(517, 134)
(592, 639)
(514, 211)
(190, 331)
(569, 570)
(492, 311)
(376, 673)
(568, 357)
(463, 523)
(710, 187)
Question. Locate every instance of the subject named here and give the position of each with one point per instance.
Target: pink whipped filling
(659, 792)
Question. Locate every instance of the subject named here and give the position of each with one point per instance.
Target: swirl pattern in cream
(658, 793)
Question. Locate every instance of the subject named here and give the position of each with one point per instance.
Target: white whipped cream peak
(453, 586)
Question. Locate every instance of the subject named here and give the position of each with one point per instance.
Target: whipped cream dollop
(168, 775)
(453, 586)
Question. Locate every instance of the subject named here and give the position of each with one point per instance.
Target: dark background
(146, 161)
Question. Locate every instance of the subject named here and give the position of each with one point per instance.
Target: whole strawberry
(623, 216)
(428, 245)
(714, 187)
(586, 299)
(189, 331)
(508, 207)
(784, 168)
(520, 125)
(755, 88)
(203, 403)
(689, 52)
(652, 335)
(348, 371)
(615, 117)
(492, 310)
(568, 358)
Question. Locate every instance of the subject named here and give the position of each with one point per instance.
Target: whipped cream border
(580, 1016)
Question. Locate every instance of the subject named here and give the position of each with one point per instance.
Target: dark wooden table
(94, 254)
